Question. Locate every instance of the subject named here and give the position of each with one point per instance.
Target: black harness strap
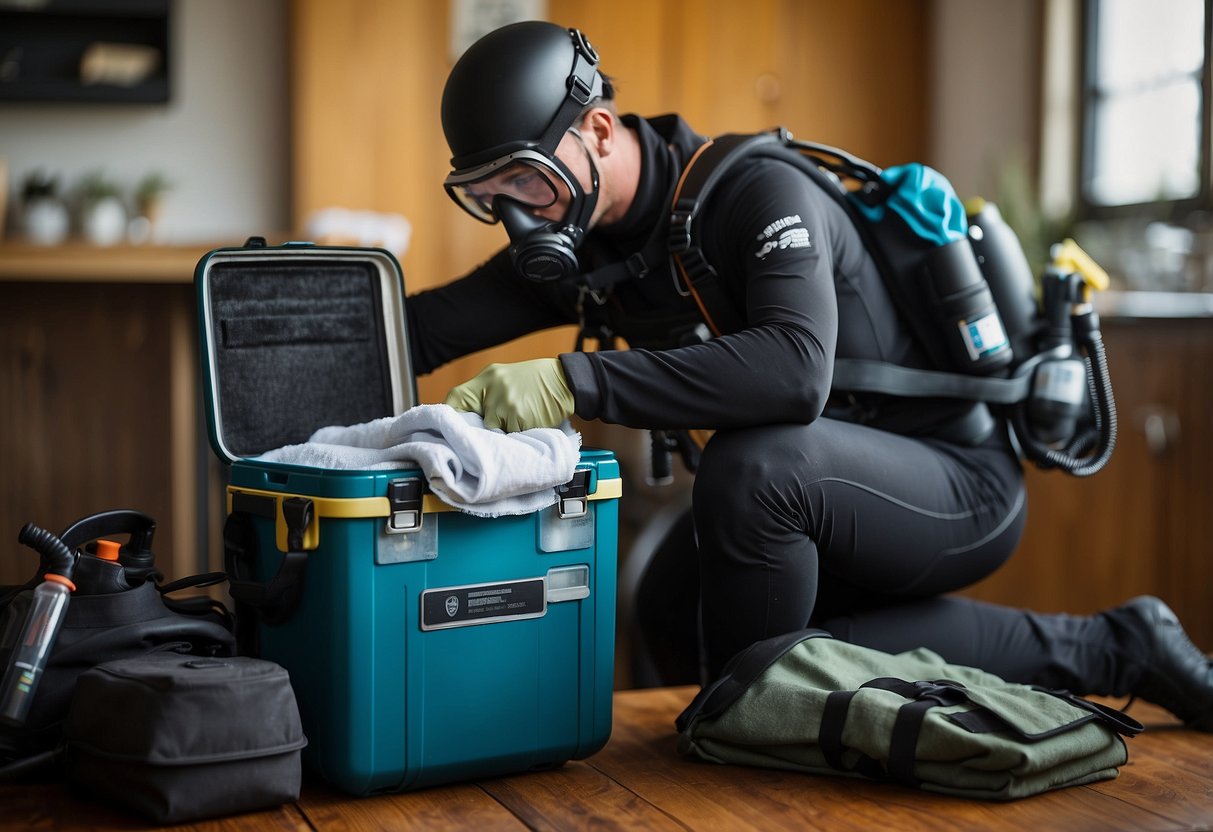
(595, 286)
(272, 602)
(706, 167)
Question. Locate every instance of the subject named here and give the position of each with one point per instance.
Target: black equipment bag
(100, 628)
(107, 626)
(178, 737)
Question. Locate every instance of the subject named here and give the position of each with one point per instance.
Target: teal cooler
(425, 645)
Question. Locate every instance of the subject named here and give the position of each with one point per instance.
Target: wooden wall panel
(368, 76)
(86, 423)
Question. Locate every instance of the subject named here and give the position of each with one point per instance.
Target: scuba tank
(1067, 420)
(1006, 270)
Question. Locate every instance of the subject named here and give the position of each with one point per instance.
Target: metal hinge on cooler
(572, 498)
(404, 506)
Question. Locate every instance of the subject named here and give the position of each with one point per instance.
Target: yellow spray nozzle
(1068, 256)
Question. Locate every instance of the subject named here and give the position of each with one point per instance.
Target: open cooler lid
(298, 337)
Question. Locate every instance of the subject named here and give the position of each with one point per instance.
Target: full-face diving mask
(512, 188)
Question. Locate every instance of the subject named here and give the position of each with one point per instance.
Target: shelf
(43, 46)
(83, 263)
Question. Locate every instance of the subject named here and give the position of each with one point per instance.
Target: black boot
(1174, 673)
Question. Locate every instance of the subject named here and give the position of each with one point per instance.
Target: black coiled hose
(1066, 459)
(56, 557)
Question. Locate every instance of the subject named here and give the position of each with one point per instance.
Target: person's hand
(518, 396)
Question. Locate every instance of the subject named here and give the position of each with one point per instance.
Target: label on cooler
(463, 606)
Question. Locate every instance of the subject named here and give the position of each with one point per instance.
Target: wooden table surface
(640, 782)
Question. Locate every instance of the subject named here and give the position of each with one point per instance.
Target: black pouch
(178, 737)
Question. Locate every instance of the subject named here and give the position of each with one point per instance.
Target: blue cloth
(924, 199)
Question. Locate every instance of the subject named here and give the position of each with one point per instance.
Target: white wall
(223, 139)
(984, 91)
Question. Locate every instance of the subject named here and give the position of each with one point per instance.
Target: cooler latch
(297, 514)
(572, 498)
(404, 506)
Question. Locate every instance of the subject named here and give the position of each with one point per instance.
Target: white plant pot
(104, 222)
(45, 221)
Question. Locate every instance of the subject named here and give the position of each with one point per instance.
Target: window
(1145, 103)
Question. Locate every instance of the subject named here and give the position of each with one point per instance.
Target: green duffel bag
(808, 702)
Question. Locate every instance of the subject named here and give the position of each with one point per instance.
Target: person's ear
(599, 123)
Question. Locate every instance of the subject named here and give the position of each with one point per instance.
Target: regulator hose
(57, 558)
(1088, 437)
(1105, 428)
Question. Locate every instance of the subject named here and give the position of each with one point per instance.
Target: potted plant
(149, 202)
(149, 195)
(102, 214)
(44, 216)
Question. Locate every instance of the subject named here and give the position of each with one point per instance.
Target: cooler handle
(273, 602)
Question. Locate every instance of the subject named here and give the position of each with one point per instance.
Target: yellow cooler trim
(608, 490)
(354, 508)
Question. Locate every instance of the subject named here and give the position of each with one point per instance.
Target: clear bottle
(33, 649)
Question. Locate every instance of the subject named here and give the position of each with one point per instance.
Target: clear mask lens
(527, 181)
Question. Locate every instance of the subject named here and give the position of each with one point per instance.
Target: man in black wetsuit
(854, 515)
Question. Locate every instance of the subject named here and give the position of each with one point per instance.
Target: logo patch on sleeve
(784, 233)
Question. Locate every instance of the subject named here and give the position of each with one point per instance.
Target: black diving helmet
(508, 103)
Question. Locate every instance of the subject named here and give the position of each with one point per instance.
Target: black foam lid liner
(297, 343)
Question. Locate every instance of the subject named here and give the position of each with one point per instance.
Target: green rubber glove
(517, 396)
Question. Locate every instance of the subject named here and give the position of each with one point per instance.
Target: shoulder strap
(706, 167)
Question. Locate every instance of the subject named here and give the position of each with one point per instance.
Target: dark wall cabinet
(1145, 523)
(85, 50)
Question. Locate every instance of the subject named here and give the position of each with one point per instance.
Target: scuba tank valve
(42, 624)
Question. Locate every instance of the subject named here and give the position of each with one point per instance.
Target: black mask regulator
(542, 250)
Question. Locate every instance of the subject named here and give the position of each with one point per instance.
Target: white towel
(481, 471)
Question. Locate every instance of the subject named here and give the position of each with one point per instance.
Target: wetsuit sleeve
(489, 306)
(767, 232)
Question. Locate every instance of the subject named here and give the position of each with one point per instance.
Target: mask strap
(589, 200)
(584, 84)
